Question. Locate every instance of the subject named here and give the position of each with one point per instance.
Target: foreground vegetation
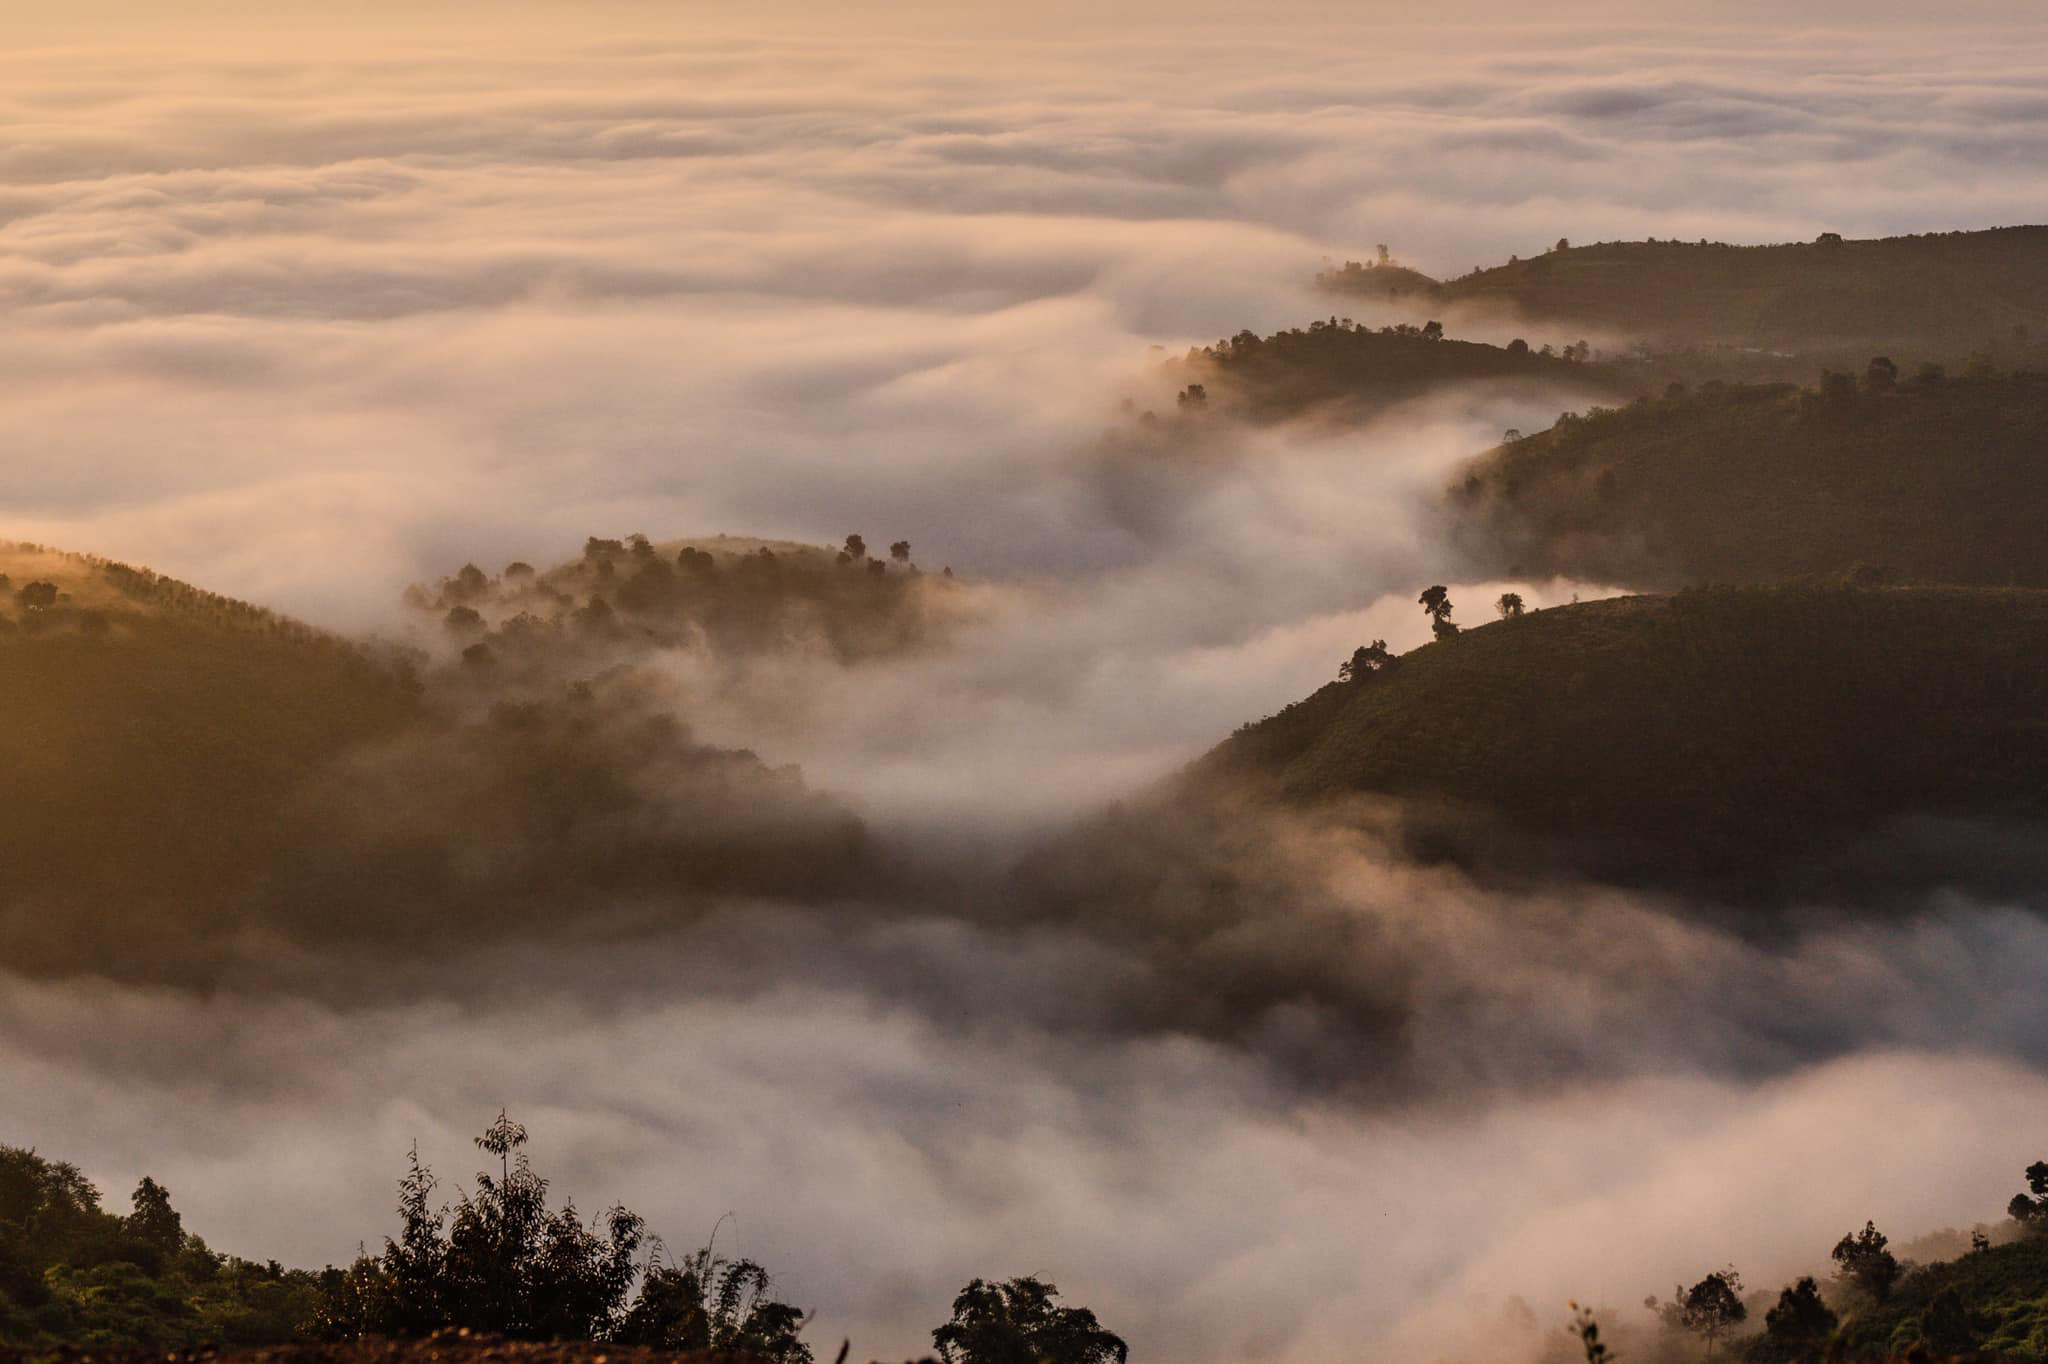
(498, 1263)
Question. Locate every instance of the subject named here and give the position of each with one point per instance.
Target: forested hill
(1725, 727)
(198, 779)
(1940, 292)
(1927, 478)
(1345, 371)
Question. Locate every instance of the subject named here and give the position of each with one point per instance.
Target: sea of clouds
(304, 312)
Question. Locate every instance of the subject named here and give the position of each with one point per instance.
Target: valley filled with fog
(308, 316)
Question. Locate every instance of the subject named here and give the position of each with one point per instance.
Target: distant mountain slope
(193, 780)
(1924, 480)
(1939, 292)
(147, 732)
(1725, 726)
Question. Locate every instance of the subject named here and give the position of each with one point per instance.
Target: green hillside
(1934, 479)
(2000, 1305)
(1720, 727)
(1941, 292)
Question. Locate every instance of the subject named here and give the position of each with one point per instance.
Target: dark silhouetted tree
(155, 1222)
(709, 1303)
(900, 551)
(1588, 1331)
(856, 548)
(1365, 660)
(1019, 1323)
(415, 1262)
(1881, 374)
(1194, 395)
(1432, 331)
(2032, 1212)
(1436, 603)
(507, 1264)
(1518, 347)
(1797, 1327)
(37, 596)
(1509, 605)
(1712, 1307)
(1865, 1262)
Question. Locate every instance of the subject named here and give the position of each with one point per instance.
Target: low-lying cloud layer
(306, 315)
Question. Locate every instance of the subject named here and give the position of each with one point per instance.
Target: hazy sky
(303, 309)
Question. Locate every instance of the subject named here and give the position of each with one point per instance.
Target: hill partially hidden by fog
(1716, 730)
(1930, 478)
(195, 778)
(1346, 372)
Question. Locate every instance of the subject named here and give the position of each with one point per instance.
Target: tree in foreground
(1019, 1323)
(506, 1264)
(1712, 1307)
(709, 1303)
(1798, 1327)
(1866, 1263)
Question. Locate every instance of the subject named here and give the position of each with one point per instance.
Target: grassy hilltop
(1724, 727)
(1938, 291)
(1926, 478)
